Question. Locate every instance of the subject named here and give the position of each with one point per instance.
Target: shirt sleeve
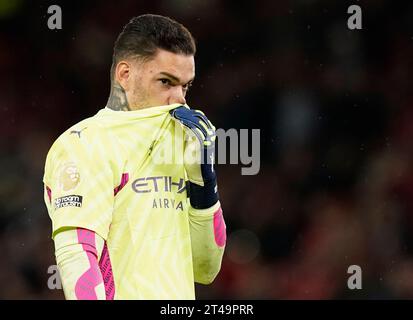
(79, 182)
(77, 254)
(208, 239)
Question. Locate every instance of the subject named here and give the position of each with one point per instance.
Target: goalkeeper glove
(199, 156)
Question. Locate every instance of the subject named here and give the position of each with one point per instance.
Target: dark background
(334, 107)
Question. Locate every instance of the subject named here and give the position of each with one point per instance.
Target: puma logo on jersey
(78, 131)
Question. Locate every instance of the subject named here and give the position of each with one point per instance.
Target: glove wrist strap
(203, 197)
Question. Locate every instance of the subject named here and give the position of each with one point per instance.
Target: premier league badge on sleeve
(69, 177)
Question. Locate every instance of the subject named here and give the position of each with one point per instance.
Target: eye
(165, 81)
(187, 86)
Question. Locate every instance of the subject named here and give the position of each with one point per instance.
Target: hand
(199, 155)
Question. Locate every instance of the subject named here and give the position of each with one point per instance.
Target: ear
(122, 74)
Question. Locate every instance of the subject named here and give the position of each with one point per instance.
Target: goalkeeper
(125, 226)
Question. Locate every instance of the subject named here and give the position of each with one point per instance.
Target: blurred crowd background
(335, 109)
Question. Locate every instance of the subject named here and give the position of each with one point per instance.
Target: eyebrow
(167, 74)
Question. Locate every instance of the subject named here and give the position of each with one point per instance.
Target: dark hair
(144, 34)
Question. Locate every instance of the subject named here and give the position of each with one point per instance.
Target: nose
(177, 96)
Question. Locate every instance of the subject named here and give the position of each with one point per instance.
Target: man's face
(163, 80)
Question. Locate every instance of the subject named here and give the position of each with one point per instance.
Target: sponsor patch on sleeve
(68, 201)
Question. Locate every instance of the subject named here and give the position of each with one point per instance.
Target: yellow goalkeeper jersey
(121, 175)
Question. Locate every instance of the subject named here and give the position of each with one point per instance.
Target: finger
(204, 119)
